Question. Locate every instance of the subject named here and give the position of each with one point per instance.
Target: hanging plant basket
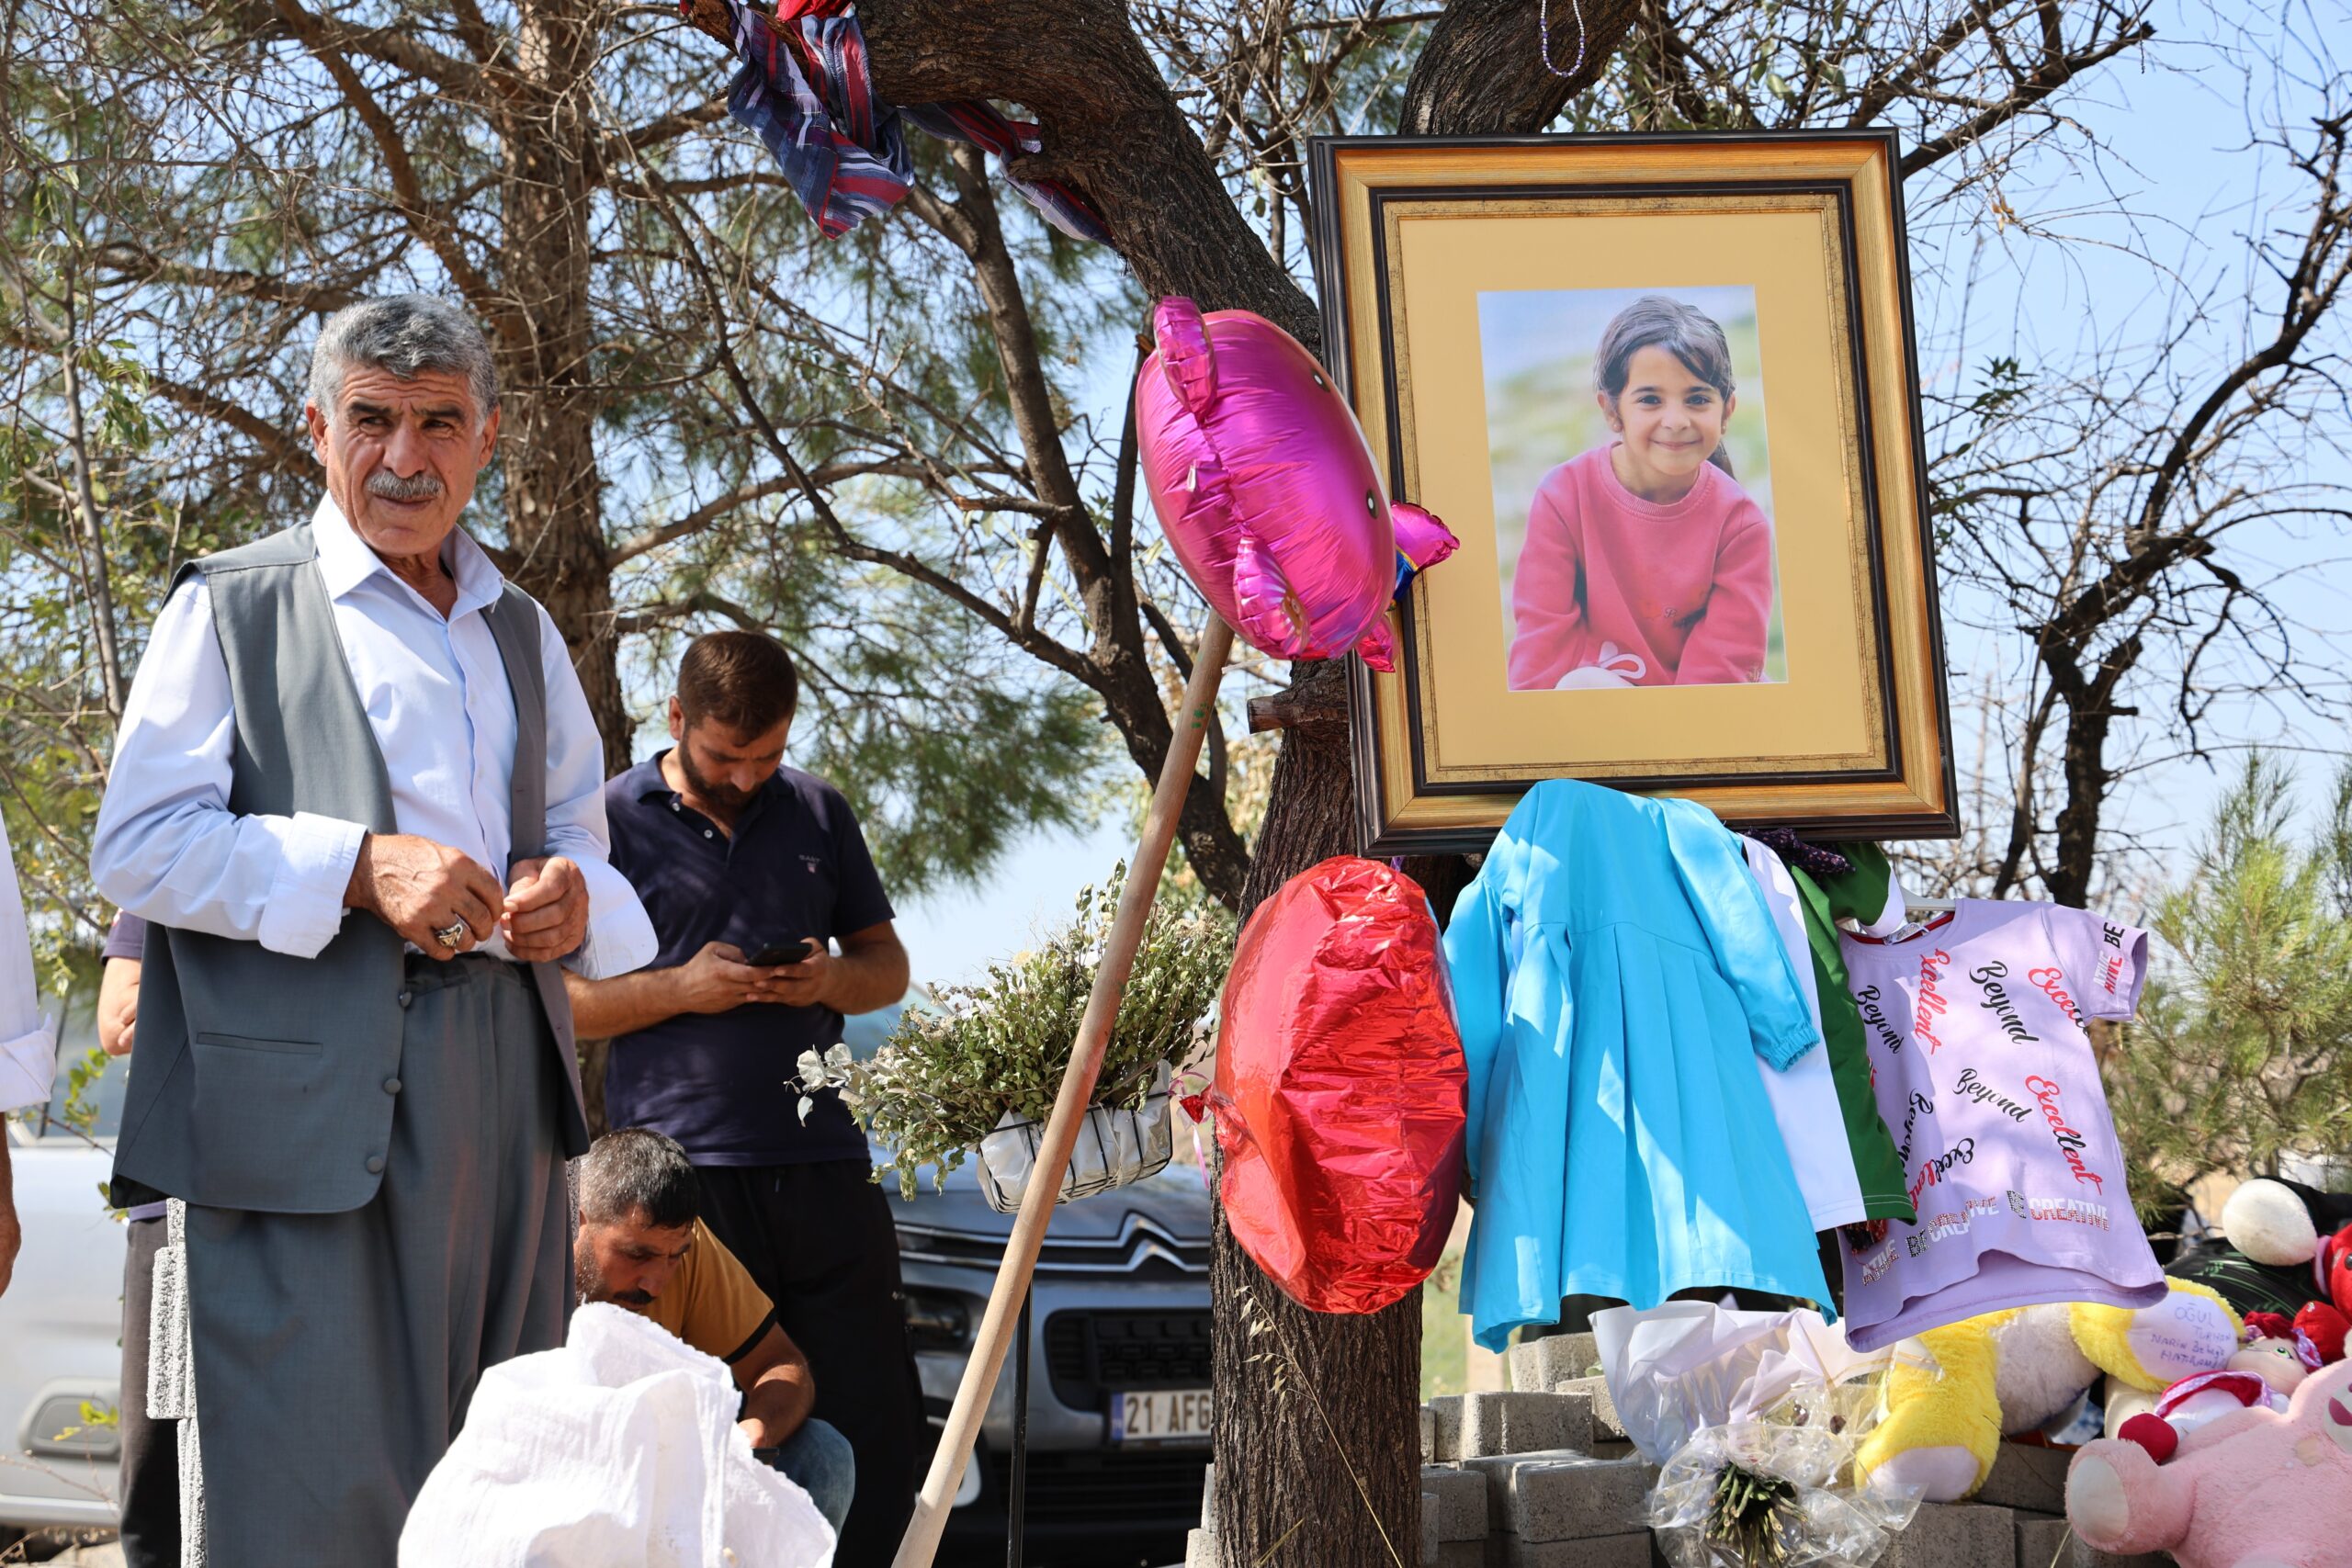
(977, 1067)
(1117, 1145)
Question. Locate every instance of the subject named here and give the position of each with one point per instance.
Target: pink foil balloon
(1264, 486)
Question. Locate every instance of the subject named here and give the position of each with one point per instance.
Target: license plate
(1161, 1415)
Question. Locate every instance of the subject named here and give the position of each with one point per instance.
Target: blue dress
(1613, 964)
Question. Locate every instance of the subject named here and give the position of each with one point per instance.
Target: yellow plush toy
(1952, 1392)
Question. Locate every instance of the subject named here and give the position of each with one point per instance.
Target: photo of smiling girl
(1643, 562)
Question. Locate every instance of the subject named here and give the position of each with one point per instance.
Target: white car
(61, 1322)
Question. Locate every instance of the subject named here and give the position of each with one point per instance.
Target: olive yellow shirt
(711, 1303)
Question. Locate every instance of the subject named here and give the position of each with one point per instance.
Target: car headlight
(937, 1320)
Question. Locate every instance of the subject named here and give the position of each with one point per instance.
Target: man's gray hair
(407, 334)
(636, 1170)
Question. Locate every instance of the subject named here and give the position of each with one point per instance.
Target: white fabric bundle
(618, 1450)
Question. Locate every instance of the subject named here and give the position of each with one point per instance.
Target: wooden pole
(997, 1325)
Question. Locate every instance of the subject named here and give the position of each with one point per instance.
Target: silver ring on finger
(451, 935)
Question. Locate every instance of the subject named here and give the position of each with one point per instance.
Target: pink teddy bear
(2253, 1489)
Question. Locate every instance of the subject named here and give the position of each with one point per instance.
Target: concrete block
(1495, 1472)
(1429, 1436)
(1494, 1423)
(1445, 1414)
(1429, 1542)
(1552, 1360)
(1591, 1551)
(1605, 1424)
(1208, 1498)
(1200, 1550)
(1461, 1508)
(1578, 1499)
(1956, 1535)
(2027, 1477)
(1462, 1554)
(2042, 1541)
(1564, 1495)
(2083, 1555)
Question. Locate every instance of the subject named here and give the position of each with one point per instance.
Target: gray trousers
(335, 1354)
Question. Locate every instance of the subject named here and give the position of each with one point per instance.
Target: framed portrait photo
(1663, 389)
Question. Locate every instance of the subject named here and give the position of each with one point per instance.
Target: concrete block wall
(1527, 1478)
(1541, 1476)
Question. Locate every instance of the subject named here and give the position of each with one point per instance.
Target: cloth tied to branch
(807, 91)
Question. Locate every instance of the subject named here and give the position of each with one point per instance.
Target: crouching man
(642, 1246)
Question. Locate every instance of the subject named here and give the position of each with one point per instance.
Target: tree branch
(283, 451)
(430, 222)
(1483, 70)
(2055, 72)
(711, 511)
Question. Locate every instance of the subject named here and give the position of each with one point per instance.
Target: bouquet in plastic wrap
(1755, 1418)
(1780, 1490)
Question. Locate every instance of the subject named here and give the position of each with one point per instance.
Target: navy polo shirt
(721, 1083)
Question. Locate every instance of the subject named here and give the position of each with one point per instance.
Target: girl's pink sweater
(1686, 587)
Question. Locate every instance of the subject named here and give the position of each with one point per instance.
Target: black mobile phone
(799, 950)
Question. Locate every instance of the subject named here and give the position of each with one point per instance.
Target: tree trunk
(1322, 1472)
(2091, 711)
(1486, 70)
(1310, 1407)
(555, 526)
(1333, 1453)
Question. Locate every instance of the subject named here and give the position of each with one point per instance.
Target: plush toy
(1953, 1391)
(2287, 1247)
(2259, 1377)
(2254, 1489)
(2279, 1355)
(1266, 490)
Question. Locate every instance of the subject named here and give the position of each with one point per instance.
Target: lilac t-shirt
(1985, 1077)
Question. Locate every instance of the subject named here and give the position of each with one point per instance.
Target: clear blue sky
(2176, 184)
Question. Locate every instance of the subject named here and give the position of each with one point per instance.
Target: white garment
(618, 1450)
(28, 1041)
(1805, 1098)
(435, 693)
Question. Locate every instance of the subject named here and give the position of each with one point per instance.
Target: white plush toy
(1616, 666)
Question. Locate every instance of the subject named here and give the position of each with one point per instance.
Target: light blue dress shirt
(435, 693)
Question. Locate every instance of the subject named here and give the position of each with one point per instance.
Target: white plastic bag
(1677, 1369)
(618, 1450)
(1115, 1146)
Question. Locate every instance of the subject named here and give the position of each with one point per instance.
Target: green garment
(1863, 895)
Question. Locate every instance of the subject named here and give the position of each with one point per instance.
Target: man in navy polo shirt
(734, 855)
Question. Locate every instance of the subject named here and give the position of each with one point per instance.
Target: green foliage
(184, 274)
(80, 1111)
(948, 1075)
(2242, 1050)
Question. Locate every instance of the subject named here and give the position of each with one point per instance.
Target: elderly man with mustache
(355, 795)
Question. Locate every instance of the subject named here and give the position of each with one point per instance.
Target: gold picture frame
(1463, 284)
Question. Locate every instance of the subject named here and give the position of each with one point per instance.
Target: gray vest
(260, 1080)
